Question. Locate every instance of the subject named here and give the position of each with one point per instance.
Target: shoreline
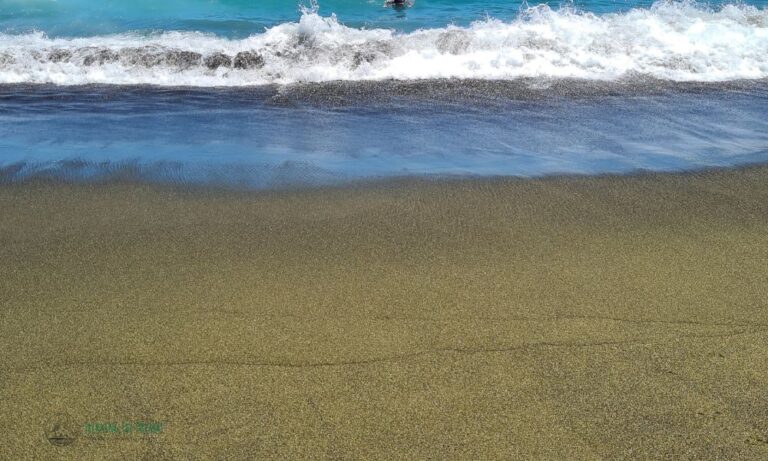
(560, 317)
(129, 173)
(481, 91)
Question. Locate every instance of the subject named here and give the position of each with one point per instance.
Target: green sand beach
(609, 317)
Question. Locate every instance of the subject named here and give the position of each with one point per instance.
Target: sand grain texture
(618, 317)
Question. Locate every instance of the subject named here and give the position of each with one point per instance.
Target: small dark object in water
(398, 4)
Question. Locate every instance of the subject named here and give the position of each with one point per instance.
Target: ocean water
(272, 93)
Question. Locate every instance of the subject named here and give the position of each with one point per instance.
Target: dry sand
(563, 318)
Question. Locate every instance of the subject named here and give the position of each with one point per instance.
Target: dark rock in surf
(100, 57)
(179, 59)
(183, 59)
(217, 60)
(59, 55)
(453, 42)
(144, 56)
(248, 60)
(362, 57)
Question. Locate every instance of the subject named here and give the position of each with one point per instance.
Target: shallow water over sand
(327, 133)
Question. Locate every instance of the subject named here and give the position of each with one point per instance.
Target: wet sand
(564, 318)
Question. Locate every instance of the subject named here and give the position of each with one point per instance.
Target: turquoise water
(241, 18)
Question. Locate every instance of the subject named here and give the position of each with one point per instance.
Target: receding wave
(288, 174)
(669, 41)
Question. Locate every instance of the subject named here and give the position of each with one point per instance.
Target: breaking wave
(669, 41)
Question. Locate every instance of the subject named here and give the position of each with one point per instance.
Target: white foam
(671, 41)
